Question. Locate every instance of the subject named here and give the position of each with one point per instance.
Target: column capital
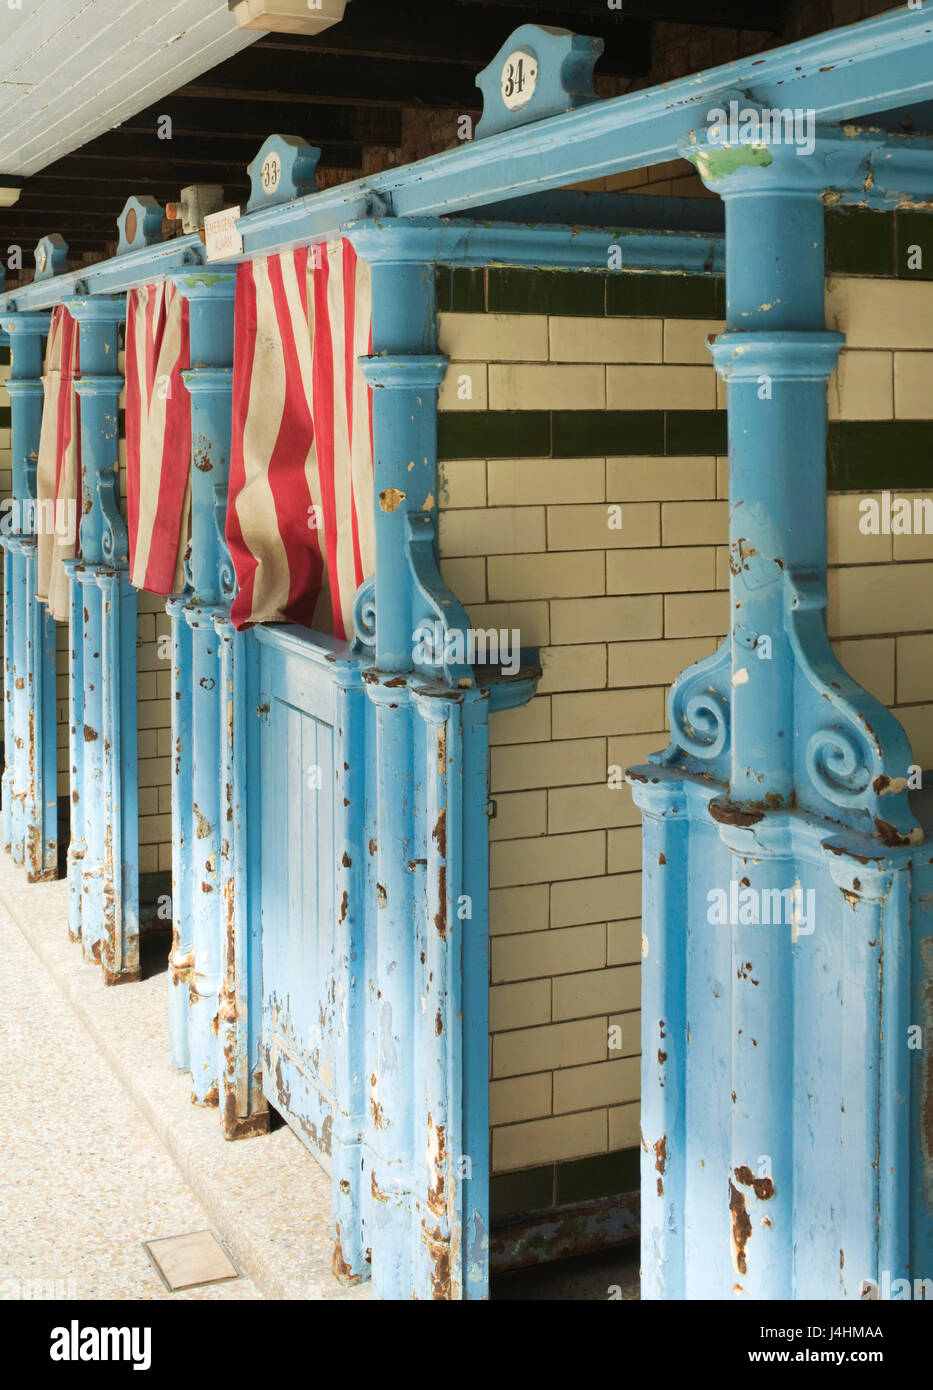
(23, 323)
(746, 149)
(405, 371)
(784, 356)
(214, 282)
(101, 308)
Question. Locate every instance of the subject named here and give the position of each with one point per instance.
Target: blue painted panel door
(298, 780)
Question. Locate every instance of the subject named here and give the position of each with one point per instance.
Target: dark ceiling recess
(346, 90)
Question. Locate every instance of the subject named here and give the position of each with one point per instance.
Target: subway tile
(914, 235)
(517, 386)
(625, 1125)
(544, 955)
(688, 340)
(523, 1005)
(875, 599)
(661, 571)
(695, 614)
(588, 433)
(519, 814)
(655, 663)
(695, 432)
(524, 909)
(870, 661)
(520, 1097)
(466, 578)
(913, 385)
(590, 806)
(846, 542)
(914, 669)
(460, 289)
(531, 1189)
(566, 574)
(529, 723)
(865, 456)
(523, 767)
(623, 850)
(661, 388)
(573, 668)
(530, 620)
(862, 387)
(494, 434)
(601, 1175)
(625, 1041)
(547, 1048)
(595, 619)
(666, 296)
(518, 482)
(692, 523)
(605, 340)
(600, 1083)
(918, 726)
(591, 713)
(648, 479)
(881, 313)
(587, 900)
(520, 291)
(546, 858)
(492, 531)
(464, 387)
(859, 241)
(632, 750)
(624, 942)
(611, 990)
(494, 337)
(594, 527)
(567, 1136)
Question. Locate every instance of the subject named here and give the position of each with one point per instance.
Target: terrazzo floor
(84, 1178)
(101, 1148)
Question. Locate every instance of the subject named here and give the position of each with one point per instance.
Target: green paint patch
(718, 163)
(205, 279)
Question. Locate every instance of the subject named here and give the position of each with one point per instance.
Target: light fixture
(288, 16)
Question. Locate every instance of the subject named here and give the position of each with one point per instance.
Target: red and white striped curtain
(58, 471)
(300, 508)
(158, 437)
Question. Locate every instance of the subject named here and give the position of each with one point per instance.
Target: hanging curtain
(158, 437)
(300, 505)
(58, 470)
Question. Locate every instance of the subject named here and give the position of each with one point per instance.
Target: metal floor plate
(186, 1261)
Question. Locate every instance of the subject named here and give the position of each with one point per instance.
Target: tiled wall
(568, 393)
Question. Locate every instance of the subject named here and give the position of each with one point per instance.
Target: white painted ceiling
(72, 69)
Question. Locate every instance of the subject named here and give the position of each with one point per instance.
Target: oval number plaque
(271, 172)
(519, 79)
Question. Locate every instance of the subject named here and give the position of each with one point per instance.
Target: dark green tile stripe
(862, 455)
(579, 433)
(859, 241)
(4, 417)
(558, 1184)
(868, 455)
(4, 356)
(578, 293)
